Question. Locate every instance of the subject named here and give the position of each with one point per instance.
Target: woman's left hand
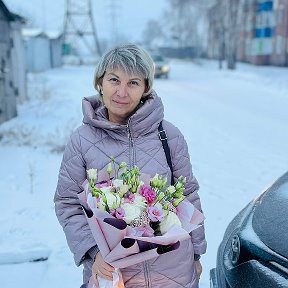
(198, 268)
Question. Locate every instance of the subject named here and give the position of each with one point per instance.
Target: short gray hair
(132, 59)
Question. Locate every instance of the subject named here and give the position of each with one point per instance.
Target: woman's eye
(134, 83)
(113, 80)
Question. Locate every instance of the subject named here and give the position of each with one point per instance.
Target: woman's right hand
(101, 268)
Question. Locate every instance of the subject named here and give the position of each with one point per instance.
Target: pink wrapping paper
(122, 248)
(119, 244)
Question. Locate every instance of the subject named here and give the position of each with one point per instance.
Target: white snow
(235, 123)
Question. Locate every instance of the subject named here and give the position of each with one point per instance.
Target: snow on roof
(53, 34)
(33, 32)
(38, 32)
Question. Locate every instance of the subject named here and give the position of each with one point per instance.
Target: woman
(123, 122)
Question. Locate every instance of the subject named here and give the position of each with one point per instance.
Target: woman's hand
(101, 268)
(198, 268)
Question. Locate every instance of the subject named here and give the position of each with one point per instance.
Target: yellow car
(162, 68)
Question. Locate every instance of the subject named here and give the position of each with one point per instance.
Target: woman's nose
(121, 91)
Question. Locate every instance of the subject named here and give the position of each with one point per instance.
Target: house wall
(18, 62)
(37, 51)
(56, 52)
(7, 93)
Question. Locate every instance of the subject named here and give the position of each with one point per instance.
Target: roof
(11, 16)
(38, 32)
(54, 34)
(33, 32)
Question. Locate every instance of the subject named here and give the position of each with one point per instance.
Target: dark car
(254, 250)
(162, 68)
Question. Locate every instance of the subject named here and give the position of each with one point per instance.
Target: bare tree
(182, 24)
(233, 9)
(152, 32)
(224, 16)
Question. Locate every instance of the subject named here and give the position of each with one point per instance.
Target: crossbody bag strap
(163, 137)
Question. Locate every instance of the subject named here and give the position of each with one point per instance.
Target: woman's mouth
(119, 102)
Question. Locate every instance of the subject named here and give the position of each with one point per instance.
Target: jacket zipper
(132, 162)
(131, 146)
(146, 274)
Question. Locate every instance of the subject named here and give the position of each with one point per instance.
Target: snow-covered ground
(235, 123)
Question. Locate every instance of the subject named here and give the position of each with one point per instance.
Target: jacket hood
(145, 120)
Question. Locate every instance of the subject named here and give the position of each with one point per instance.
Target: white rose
(140, 201)
(112, 200)
(92, 173)
(131, 212)
(118, 183)
(169, 220)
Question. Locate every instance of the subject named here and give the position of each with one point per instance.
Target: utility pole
(80, 37)
(112, 8)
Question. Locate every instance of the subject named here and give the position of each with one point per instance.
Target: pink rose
(147, 192)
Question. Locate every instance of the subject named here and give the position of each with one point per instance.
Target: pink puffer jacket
(136, 143)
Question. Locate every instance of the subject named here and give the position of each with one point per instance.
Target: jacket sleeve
(182, 166)
(67, 206)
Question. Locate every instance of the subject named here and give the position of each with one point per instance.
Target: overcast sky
(131, 15)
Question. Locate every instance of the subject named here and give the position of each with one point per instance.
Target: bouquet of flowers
(134, 217)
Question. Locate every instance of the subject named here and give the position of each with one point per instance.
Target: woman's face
(121, 94)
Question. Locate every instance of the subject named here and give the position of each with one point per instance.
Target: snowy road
(235, 124)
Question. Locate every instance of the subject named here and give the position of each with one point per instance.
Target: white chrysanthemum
(131, 212)
(169, 220)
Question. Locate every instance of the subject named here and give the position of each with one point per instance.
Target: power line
(80, 37)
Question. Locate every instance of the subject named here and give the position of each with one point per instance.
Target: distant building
(12, 65)
(262, 37)
(267, 44)
(42, 49)
(56, 44)
(280, 45)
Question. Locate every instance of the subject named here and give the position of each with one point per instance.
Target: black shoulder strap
(163, 137)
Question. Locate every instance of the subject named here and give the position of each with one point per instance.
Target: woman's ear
(100, 82)
(147, 89)
(99, 85)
